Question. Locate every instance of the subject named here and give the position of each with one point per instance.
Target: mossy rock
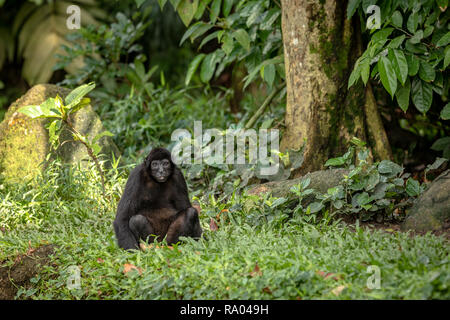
(321, 181)
(431, 211)
(24, 142)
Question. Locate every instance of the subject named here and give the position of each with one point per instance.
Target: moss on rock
(24, 142)
(432, 209)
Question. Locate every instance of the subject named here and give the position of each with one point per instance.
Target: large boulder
(321, 181)
(431, 211)
(24, 142)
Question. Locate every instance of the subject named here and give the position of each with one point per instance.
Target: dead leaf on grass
(256, 271)
(127, 267)
(213, 225)
(337, 291)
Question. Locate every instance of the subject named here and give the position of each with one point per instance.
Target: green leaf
(354, 76)
(402, 95)
(208, 66)
(75, 96)
(412, 187)
(357, 142)
(397, 19)
(195, 31)
(363, 199)
(413, 64)
(396, 42)
(249, 78)
(227, 43)
(389, 168)
(416, 37)
(444, 40)
(162, 3)
(101, 135)
(175, 3)
(446, 57)
(215, 10)
(201, 9)
(381, 35)
(210, 37)
(32, 111)
(268, 74)
(435, 165)
(351, 7)
(428, 31)
(441, 144)
(186, 9)
(254, 14)
(83, 103)
(445, 112)
(334, 162)
(193, 66)
(412, 23)
(243, 38)
(226, 7)
(365, 71)
(139, 2)
(422, 94)
(315, 207)
(387, 75)
(426, 72)
(271, 17)
(44, 110)
(399, 63)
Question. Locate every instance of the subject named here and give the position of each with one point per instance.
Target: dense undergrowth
(279, 256)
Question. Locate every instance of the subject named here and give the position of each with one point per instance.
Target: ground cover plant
(268, 255)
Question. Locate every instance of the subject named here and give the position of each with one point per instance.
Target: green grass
(66, 208)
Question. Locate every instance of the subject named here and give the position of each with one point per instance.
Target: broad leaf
(422, 94)
(243, 38)
(412, 23)
(426, 72)
(193, 66)
(397, 19)
(441, 144)
(186, 9)
(351, 7)
(387, 75)
(445, 112)
(412, 187)
(75, 96)
(399, 63)
(413, 64)
(444, 40)
(215, 10)
(402, 95)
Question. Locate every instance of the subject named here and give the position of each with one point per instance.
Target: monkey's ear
(147, 162)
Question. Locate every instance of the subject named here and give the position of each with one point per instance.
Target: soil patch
(25, 267)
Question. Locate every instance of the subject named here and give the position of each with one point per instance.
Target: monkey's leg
(141, 227)
(185, 224)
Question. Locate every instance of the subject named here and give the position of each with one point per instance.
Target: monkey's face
(161, 169)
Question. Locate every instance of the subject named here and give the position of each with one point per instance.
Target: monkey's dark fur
(150, 208)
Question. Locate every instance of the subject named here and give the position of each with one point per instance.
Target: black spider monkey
(155, 202)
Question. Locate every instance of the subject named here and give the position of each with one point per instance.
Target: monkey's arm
(126, 209)
(125, 238)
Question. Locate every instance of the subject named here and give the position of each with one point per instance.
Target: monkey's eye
(166, 163)
(155, 164)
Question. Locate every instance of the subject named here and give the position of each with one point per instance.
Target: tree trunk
(320, 49)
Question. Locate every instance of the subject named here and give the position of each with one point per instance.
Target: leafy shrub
(410, 52)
